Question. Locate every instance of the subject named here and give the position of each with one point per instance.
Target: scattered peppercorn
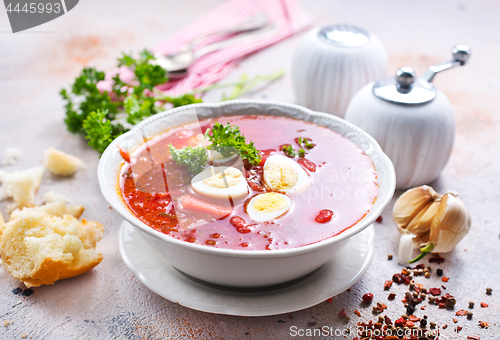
(368, 297)
(433, 325)
(450, 302)
(469, 315)
(439, 272)
(28, 292)
(471, 304)
(17, 291)
(431, 299)
(488, 291)
(427, 275)
(410, 310)
(423, 323)
(389, 257)
(422, 296)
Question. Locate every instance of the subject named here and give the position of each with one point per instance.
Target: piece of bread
(61, 163)
(22, 185)
(2, 224)
(10, 156)
(56, 205)
(38, 248)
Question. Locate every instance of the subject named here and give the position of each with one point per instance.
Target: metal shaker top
(405, 88)
(344, 36)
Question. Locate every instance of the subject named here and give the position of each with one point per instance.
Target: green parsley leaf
(288, 150)
(194, 159)
(99, 130)
(230, 136)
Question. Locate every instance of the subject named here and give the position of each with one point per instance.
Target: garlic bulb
(436, 222)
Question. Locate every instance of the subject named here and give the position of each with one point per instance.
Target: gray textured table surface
(110, 302)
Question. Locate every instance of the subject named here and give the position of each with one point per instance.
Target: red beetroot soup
(342, 189)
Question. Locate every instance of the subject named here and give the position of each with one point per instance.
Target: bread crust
(39, 249)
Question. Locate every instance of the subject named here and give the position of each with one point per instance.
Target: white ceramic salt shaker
(334, 62)
(413, 122)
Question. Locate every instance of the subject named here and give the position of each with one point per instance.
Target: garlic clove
(406, 248)
(410, 203)
(451, 223)
(421, 223)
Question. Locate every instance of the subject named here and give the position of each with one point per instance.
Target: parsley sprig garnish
(101, 116)
(227, 140)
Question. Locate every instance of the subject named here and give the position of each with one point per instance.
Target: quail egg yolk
(281, 176)
(270, 202)
(233, 177)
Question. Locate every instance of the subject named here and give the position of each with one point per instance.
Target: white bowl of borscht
(246, 193)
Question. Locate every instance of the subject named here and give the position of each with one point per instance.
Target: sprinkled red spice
(329, 300)
(368, 297)
(391, 296)
(445, 279)
(387, 285)
(379, 219)
(307, 164)
(484, 324)
(436, 259)
(237, 222)
(324, 216)
(445, 326)
(357, 312)
(461, 312)
(473, 337)
(435, 291)
(484, 305)
(342, 314)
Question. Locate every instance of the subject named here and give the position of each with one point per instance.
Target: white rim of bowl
(370, 217)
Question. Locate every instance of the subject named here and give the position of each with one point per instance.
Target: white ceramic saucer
(338, 274)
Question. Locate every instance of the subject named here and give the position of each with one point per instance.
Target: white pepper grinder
(332, 63)
(413, 122)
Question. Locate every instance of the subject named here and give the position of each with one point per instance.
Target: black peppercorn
(439, 272)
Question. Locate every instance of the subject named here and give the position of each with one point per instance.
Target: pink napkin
(285, 14)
